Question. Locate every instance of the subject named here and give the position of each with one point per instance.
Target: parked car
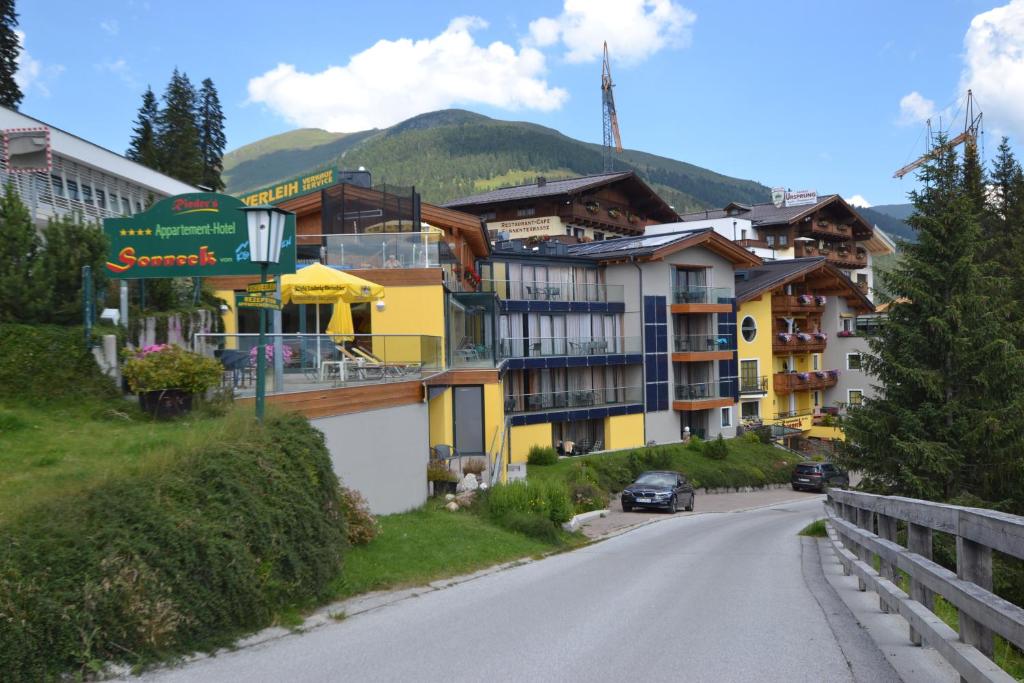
(668, 490)
(818, 476)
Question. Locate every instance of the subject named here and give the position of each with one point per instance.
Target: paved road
(713, 597)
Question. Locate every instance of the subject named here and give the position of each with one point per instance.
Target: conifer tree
(142, 146)
(18, 252)
(211, 136)
(10, 93)
(69, 244)
(177, 134)
(950, 402)
(1003, 222)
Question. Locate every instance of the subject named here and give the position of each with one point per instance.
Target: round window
(749, 329)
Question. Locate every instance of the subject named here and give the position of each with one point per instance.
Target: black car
(818, 476)
(666, 490)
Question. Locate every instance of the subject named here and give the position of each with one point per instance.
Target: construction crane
(972, 124)
(611, 119)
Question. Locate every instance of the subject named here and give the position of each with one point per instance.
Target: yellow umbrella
(318, 284)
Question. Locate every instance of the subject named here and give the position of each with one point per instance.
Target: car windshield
(656, 479)
(806, 469)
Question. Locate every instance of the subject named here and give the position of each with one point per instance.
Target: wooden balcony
(826, 229)
(797, 345)
(788, 382)
(843, 255)
(786, 304)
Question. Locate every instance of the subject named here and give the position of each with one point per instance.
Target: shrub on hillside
(41, 363)
(533, 526)
(716, 449)
(696, 444)
(541, 455)
(179, 558)
(549, 500)
(168, 366)
(360, 525)
(587, 496)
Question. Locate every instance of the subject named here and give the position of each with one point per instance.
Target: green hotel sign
(293, 187)
(202, 234)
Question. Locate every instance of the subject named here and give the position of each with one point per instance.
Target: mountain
(453, 153)
(890, 218)
(900, 211)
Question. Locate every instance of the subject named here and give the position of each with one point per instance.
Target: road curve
(712, 597)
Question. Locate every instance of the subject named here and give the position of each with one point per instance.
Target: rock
(468, 483)
(465, 499)
(449, 497)
(452, 507)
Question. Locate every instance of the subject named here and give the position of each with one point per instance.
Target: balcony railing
(799, 303)
(366, 251)
(575, 398)
(799, 342)
(700, 391)
(535, 347)
(702, 295)
(698, 343)
(307, 362)
(753, 384)
(839, 254)
(790, 414)
(525, 290)
(788, 382)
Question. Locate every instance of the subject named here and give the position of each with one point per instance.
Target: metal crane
(611, 119)
(972, 124)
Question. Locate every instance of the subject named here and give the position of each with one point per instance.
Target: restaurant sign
(201, 234)
(293, 187)
(801, 197)
(541, 225)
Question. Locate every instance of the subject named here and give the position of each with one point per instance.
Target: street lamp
(266, 229)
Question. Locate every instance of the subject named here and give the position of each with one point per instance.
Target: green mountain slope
(893, 226)
(454, 153)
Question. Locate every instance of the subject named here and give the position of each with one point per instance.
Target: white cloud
(634, 29)
(118, 67)
(33, 74)
(858, 200)
(110, 27)
(915, 109)
(994, 65)
(396, 79)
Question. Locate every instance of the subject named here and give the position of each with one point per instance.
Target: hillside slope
(893, 226)
(454, 153)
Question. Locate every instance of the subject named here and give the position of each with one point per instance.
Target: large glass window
(749, 329)
(750, 410)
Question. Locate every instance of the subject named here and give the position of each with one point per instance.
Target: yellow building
(789, 312)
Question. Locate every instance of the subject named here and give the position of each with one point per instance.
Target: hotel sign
(291, 188)
(200, 234)
(527, 227)
(801, 197)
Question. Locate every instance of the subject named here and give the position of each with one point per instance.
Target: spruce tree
(70, 244)
(177, 133)
(19, 249)
(949, 407)
(10, 93)
(211, 136)
(1003, 222)
(142, 146)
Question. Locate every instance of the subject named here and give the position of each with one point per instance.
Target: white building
(61, 173)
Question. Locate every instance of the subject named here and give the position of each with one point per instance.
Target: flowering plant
(803, 336)
(821, 300)
(802, 376)
(820, 336)
(805, 299)
(268, 351)
(846, 333)
(785, 336)
(820, 374)
(833, 373)
(166, 366)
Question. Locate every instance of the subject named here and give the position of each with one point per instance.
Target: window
(598, 236)
(488, 216)
(853, 361)
(814, 361)
(847, 325)
(743, 234)
(817, 399)
(749, 380)
(750, 410)
(783, 240)
(749, 329)
(855, 397)
(526, 212)
(58, 185)
(72, 190)
(727, 417)
(101, 198)
(770, 239)
(862, 281)
(126, 206)
(87, 193)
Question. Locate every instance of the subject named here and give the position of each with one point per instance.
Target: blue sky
(812, 95)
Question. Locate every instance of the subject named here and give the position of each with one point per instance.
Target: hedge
(183, 558)
(40, 363)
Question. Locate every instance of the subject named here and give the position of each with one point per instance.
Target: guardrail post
(974, 564)
(887, 531)
(919, 540)
(866, 521)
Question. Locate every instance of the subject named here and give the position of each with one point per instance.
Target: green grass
(56, 450)
(415, 548)
(815, 529)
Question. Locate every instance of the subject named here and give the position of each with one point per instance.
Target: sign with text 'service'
(201, 234)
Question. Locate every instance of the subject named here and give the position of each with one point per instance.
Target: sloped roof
(772, 274)
(654, 247)
(767, 214)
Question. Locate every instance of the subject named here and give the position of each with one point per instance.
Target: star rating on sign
(123, 233)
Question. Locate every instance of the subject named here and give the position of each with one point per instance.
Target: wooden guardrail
(865, 526)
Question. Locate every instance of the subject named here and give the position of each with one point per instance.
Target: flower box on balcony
(803, 336)
(833, 374)
(820, 336)
(820, 374)
(847, 333)
(805, 299)
(821, 300)
(785, 337)
(802, 376)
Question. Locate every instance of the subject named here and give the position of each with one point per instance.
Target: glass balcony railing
(307, 362)
(553, 291)
(384, 250)
(702, 295)
(532, 347)
(576, 398)
(753, 384)
(693, 343)
(699, 391)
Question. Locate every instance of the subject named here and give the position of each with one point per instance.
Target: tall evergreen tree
(70, 244)
(950, 406)
(10, 93)
(177, 133)
(142, 146)
(211, 136)
(973, 178)
(19, 249)
(1003, 222)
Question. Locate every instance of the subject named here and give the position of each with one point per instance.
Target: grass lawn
(748, 464)
(415, 548)
(49, 452)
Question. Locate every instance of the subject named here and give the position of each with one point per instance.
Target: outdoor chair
(237, 368)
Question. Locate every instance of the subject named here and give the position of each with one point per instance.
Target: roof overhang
(708, 239)
(831, 281)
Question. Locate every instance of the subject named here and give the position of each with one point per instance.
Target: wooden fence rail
(864, 526)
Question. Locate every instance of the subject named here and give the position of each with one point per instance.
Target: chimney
(541, 181)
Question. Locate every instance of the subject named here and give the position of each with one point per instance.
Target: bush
(587, 496)
(48, 363)
(696, 444)
(541, 455)
(175, 559)
(474, 466)
(437, 471)
(549, 500)
(612, 473)
(360, 525)
(530, 525)
(167, 366)
(716, 449)
(750, 436)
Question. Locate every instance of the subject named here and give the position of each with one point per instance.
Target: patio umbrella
(317, 284)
